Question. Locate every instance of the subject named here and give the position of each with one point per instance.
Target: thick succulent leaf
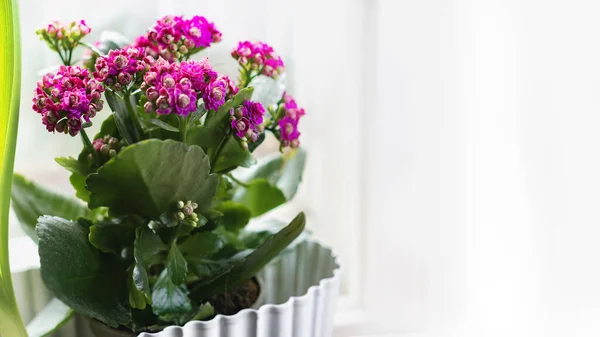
(112, 235)
(216, 125)
(268, 91)
(73, 165)
(201, 244)
(149, 177)
(168, 298)
(146, 245)
(78, 183)
(260, 197)
(233, 156)
(271, 179)
(50, 319)
(283, 171)
(235, 215)
(112, 40)
(247, 267)
(80, 275)
(163, 125)
(30, 201)
(176, 265)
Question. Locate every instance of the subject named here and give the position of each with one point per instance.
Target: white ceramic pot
(300, 293)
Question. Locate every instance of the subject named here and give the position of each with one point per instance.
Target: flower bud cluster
(185, 213)
(174, 37)
(257, 58)
(63, 37)
(246, 121)
(107, 147)
(121, 67)
(289, 117)
(65, 98)
(177, 87)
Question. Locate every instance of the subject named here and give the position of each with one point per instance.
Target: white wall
(452, 150)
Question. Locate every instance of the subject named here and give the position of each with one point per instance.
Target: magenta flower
(184, 100)
(214, 94)
(65, 98)
(240, 126)
(175, 36)
(246, 120)
(150, 49)
(288, 123)
(289, 132)
(120, 67)
(258, 57)
(176, 87)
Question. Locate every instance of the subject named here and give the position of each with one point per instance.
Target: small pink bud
(183, 101)
(124, 78)
(121, 61)
(168, 81)
(152, 93)
(148, 107)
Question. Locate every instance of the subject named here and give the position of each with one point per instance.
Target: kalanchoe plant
(162, 231)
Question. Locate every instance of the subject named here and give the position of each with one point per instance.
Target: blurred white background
(453, 150)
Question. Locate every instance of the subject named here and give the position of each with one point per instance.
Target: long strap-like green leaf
(11, 323)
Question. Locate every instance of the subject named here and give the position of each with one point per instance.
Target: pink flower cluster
(175, 88)
(258, 56)
(59, 31)
(119, 68)
(150, 49)
(176, 37)
(246, 120)
(65, 98)
(288, 124)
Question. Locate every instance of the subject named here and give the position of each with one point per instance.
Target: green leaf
(137, 298)
(80, 275)
(111, 236)
(216, 125)
(283, 171)
(73, 165)
(250, 265)
(30, 201)
(163, 125)
(50, 319)
(112, 40)
(235, 215)
(168, 298)
(233, 155)
(260, 196)
(201, 244)
(123, 122)
(149, 177)
(11, 323)
(176, 265)
(147, 244)
(78, 183)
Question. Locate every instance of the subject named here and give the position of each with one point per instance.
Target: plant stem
(219, 149)
(183, 127)
(134, 118)
(90, 147)
(237, 181)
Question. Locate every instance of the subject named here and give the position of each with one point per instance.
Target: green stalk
(134, 118)
(90, 147)
(217, 153)
(11, 323)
